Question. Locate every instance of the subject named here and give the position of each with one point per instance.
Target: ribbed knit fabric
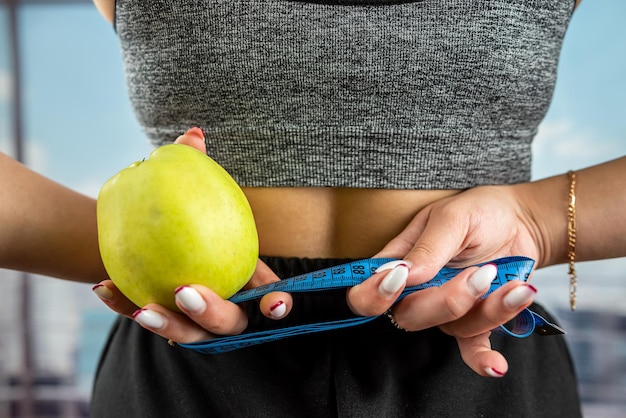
(433, 94)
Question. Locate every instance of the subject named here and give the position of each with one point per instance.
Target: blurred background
(77, 127)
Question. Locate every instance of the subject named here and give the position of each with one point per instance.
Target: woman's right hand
(204, 313)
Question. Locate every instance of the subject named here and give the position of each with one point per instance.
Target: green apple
(176, 218)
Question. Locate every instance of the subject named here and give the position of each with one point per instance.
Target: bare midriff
(333, 223)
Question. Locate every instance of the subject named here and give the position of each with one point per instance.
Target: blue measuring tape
(351, 274)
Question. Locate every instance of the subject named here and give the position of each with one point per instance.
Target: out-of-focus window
(79, 130)
(5, 81)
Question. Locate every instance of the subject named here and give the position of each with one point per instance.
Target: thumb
(428, 243)
(194, 137)
(262, 275)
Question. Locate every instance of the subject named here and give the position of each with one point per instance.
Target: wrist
(546, 204)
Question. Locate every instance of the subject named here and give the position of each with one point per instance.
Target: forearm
(600, 218)
(46, 228)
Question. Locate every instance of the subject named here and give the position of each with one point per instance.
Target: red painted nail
(137, 312)
(195, 131)
(498, 372)
(102, 292)
(179, 288)
(493, 372)
(276, 305)
(278, 310)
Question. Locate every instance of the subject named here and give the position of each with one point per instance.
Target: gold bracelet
(571, 238)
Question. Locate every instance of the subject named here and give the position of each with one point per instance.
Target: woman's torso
(321, 220)
(331, 222)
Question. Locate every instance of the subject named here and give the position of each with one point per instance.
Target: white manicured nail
(394, 280)
(392, 264)
(480, 280)
(493, 372)
(190, 299)
(103, 292)
(149, 319)
(519, 296)
(278, 310)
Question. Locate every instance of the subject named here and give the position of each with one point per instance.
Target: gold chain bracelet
(571, 238)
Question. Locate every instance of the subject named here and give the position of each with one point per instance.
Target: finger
(274, 305)
(114, 299)
(478, 355)
(262, 275)
(208, 310)
(194, 137)
(399, 246)
(430, 241)
(440, 305)
(500, 307)
(376, 294)
(170, 325)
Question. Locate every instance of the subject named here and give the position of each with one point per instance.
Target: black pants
(373, 370)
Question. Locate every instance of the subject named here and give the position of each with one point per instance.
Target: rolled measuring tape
(353, 273)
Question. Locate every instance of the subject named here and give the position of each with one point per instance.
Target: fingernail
(393, 264)
(278, 310)
(149, 319)
(195, 131)
(394, 280)
(519, 296)
(102, 292)
(493, 372)
(480, 280)
(190, 299)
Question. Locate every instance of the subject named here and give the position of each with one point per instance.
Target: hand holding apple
(175, 218)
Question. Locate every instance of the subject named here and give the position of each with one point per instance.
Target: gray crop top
(430, 94)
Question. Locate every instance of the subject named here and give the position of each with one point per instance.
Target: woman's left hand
(474, 226)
